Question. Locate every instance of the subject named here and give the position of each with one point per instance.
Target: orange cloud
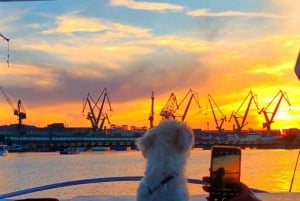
(73, 23)
(143, 5)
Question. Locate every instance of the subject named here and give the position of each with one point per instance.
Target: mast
(151, 116)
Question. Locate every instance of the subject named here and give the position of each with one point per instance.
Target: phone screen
(225, 172)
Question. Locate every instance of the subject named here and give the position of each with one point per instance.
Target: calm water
(269, 170)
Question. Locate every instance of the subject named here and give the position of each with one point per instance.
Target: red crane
(219, 122)
(96, 109)
(240, 125)
(270, 119)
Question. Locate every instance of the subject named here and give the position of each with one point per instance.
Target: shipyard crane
(19, 111)
(4, 38)
(219, 122)
(105, 117)
(193, 96)
(168, 111)
(7, 40)
(270, 119)
(240, 125)
(96, 109)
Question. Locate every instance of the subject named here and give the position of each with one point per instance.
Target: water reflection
(269, 170)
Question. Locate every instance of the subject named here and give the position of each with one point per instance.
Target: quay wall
(58, 143)
(54, 139)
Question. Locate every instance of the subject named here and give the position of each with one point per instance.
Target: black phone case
(219, 189)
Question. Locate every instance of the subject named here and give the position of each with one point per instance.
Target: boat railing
(90, 181)
(46, 138)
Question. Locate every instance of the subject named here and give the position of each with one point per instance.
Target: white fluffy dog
(166, 148)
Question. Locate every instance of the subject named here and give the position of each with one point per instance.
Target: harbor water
(269, 170)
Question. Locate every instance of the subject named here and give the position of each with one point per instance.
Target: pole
(292, 182)
(151, 117)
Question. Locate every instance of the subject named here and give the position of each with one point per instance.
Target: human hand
(245, 194)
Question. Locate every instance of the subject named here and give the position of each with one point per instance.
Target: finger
(206, 179)
(244, 187)
(206, 188)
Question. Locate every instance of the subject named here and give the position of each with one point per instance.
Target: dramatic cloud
(135, 47)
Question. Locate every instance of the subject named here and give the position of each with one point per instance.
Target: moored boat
(70, 150)
(3, 150)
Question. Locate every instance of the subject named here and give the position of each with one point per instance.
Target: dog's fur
(166, 148)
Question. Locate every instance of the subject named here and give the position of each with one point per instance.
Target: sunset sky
(61, 50)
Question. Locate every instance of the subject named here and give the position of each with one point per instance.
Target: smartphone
(225, 172)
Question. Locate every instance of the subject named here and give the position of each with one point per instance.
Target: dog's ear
(145, 142)
(185, 138)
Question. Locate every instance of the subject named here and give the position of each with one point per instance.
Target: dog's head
(168, 137)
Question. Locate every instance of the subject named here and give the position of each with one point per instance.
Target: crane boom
(91, 114)
(223, 117)
(169, 109)
(7, 40)
(105, 116)
(297, 67)
(240, 125)
(19, 111)
(105, 97)
(95, 107)
(8, 100)
(4, 38)
(270, 120)
(193, 95)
